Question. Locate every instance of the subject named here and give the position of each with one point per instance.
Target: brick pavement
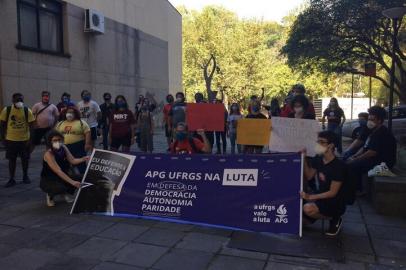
(33, 236)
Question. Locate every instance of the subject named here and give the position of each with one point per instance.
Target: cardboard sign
(253, 131)
(293, 135)
(251, 193)
(209, 117)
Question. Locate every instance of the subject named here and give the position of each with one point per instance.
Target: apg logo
(281, 214)
(240, 177)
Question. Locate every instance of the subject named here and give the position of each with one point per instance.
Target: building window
(40, 25)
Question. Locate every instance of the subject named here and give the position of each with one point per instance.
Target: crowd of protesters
(70, 131)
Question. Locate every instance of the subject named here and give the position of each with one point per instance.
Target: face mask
(65, 100)
(86, 98)
(56, 145)
(234, 109)
(255, 109)
(181, 136)
(179, 99)
(298, 109)
(19, 105)
(371, 124)
(70, 116)
(169, 100)
(107, 99)
(362, 123)
(320, 149)
(45, 99)
(121, 104)
(333, 104)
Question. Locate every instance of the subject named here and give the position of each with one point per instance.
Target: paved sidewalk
(33, 236)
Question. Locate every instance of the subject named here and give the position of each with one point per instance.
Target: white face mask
(57, 145)
(298, 109)
(371, 124)
(19, 105)
(70, 116)
(320, 149)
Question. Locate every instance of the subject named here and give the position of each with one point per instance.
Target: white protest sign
(292, 135)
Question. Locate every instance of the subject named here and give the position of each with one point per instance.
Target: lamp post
(395, 14)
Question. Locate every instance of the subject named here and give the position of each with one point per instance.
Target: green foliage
(248, 55)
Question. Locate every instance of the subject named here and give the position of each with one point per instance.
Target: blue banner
(256, 193)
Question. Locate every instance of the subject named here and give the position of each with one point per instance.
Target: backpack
(192, 144)
(8, 112)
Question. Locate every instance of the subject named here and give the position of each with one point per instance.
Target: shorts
(330, 208)
(17, 149)
(168, 131)
(38, 134)
(124, 141)
(93, 133)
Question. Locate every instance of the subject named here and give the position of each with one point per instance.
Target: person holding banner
(326, 174)
(232, 120)
(56, 164)
(177, 114)
(300, 105)
(186, 144)
(255, 114)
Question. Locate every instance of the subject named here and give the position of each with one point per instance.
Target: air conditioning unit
(94, 21)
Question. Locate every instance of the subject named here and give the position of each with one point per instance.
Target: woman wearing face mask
(300, 105)
(76, 134)
(56, 163)
(233, 117)
(335, 121)
(122, 125)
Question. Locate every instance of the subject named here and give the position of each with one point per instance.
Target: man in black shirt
(380, 146)
(106, 109)
(328, 174)
(361, 136)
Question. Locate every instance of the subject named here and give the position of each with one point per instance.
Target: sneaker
(335, 227)
(381, 170)
(26, 180)
(10, 183)
(50, 202)
(68, 198)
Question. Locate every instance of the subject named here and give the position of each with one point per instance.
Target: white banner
(293, 135)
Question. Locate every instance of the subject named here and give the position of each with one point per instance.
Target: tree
(339, 36)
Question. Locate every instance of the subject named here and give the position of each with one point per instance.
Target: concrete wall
(139, 53)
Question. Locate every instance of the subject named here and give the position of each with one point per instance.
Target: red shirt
(167, 109)
(121, 122)
(184, 147)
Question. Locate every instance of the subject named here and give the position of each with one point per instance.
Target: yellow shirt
(73, 131)
(18, 129)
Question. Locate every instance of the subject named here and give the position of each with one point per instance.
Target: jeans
(337, 129)
(221, 136)
(105, 131)
(233, 139)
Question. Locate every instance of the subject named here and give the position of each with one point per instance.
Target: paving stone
(6, 250)
(380, 267)
(375, 219)
(359, 257)
(24, 238)
(347, 266)
(353, 217)
(97, 248)
(27, 259)
(243, 253)
(299, 261)
(388, 233)
(287, 266)
(398, 262)
(55, 223)
(70, 263)
(180, 259)
(139, 254)
(357, 244)
(355, 229)
(88, 227)
(61, 241)
(202, 242)
(125, 232)
(235, 263)
(24, 221)
(160, 237)
(115, 266)
(6, 230)
(390, 248)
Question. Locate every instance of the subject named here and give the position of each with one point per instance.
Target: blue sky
(273, 10)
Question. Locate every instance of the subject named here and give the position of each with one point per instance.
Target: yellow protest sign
(253, 131)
